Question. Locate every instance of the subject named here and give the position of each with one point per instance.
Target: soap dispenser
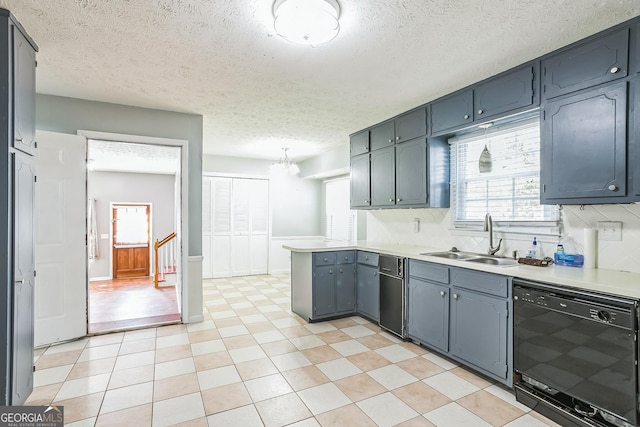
(533, 250)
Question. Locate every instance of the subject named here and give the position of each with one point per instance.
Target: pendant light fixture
(309, 22)
(285, 164)
(485, 163)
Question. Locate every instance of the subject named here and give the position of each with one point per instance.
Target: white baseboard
(96, 279)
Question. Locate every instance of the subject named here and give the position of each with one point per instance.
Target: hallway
(130, 303)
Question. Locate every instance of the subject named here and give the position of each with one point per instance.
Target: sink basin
(474, 257)
(452, 255)
(500, 262)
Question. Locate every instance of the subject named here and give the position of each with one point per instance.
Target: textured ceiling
(257, 93)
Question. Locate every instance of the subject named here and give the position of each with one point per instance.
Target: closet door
(221, 224)
(241, 235)
(207, 228)
(259, 240)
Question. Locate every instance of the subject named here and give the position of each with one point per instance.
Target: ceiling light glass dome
(309, 22)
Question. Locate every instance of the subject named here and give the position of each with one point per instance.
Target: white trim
(97, 279)
(184, 193)
(278, 238)
(235, 175)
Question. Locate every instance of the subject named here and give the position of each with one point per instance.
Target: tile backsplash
(436, 232)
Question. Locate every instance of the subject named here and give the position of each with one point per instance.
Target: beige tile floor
(253, 362)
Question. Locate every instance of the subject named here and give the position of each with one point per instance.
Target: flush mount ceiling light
(310, 22)
(285, 164)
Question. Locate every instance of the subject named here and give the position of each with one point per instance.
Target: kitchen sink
(500, 262)
(474, 257)
(452, 255)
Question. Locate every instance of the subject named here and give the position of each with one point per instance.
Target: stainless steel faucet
(488, 226)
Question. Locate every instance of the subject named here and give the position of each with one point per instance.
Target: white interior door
(61, 256)
(221, 224)
(240, 242)
(259, 226)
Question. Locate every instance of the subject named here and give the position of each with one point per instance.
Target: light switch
(610, 230)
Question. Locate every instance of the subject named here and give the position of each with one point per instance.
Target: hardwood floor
(130, 303)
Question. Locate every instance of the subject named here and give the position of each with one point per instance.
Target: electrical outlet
(416, 225)
(610, 230)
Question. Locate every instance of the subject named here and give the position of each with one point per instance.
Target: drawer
(346, 257)
(426, 270)
(493, 284)
(368, 258)
(324, 258)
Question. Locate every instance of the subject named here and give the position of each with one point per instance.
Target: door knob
(614, 70)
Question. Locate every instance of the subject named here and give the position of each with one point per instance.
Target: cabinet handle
(366, 258)
(346, 258)
(340, 271)
(375, 273)
(480, 111)
(614, 70)
(391, 200)
(466, 116)
(391, 140)
(397, 138)
(455, 296)
(19, 139)
(331, 271)
(20, 282)
(325, 259)
(612, 188)
(399, 200)
(441, 293)
(366, 148)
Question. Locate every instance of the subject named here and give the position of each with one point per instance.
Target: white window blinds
(340, 220)
(511, 191)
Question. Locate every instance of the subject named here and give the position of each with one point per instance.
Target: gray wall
(68, 115)
(108, 187)
(296, 208)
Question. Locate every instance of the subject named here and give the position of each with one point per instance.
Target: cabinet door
(508, 92)
(479, 330)
(24, 265)
(346, 288)
(428, 313)
(24, 98)
(411, 172)
(383, 177)
(324, 294)
(360, 181)
(411, 125)
(452, 112)
(583, 146)
(382, 135)
(595, 62)
(368, 291)
(360, 143)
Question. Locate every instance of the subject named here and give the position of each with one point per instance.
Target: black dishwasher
(576, 355)
(392, 290)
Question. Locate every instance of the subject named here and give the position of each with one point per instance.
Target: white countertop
(622, 283)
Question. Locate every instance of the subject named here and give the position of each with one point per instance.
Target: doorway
(131, 240)
(136, 192)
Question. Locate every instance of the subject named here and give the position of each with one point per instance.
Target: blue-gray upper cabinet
(588, 64)
(508, 92)
(383, 179)
(411, 172)
(581, 162)
(403, 128)
(452, 112)
(360, 143)
(24, 97)
(360, 181)
(382, 135)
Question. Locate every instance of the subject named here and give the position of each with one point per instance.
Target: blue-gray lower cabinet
(333, 284)
(368, 285)
(478, 330)
(428, 313)
(464, 314)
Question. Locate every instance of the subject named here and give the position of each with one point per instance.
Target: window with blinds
(511, 191)
(339, 219)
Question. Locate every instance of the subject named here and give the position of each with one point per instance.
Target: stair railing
(165, 259)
